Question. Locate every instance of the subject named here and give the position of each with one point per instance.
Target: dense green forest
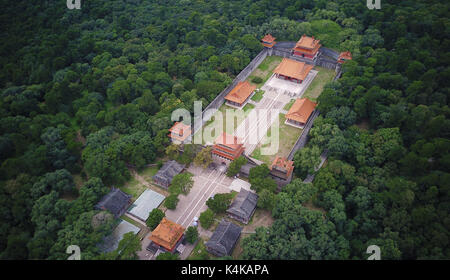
(89, 92)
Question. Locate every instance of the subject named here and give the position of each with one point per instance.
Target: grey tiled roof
(224, 238)
(168, 171)
(244, 204)
(116, 202)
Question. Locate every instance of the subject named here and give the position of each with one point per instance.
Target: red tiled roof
(228, 146)
(268, 38)
(167, 234)
(231, 141)
(240, 92)
(306, 42)
(345, 56)
(301, 110)
(293, 69)
(283, 165)
(307, 45)
(180, 131)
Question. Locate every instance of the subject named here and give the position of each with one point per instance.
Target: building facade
(307, 47)
(227, 148)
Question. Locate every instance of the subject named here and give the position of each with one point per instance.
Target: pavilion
(166, 236)
(300, 112)
(179, 132)
(292, 70)
(165, 174)
(224, 239)
(227, 148)
(282, 168)
(307, 47)
(239, 95)
(116, 202)
(344, 56)
(243, 206)
(268, 41)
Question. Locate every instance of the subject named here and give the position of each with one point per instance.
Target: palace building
(282, 168)
(240, 94)
(166, 236)
(268, 41)
(344, 56)
(227, 148)
(300, 112)
(179, 132)
(307, 47)
(292, 70)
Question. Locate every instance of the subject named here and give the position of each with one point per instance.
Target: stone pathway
(323, 158)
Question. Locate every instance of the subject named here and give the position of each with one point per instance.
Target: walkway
(323, 158)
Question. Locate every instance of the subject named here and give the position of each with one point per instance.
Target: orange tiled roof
(345, 56)
(228, 146)
(293, 69)
(167, 234)
(301, 110)
(268, 38)
(228, 140)
(308, 43)
(180, 131)
(240, 92)
(283, 164)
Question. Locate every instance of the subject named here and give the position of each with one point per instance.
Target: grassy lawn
(288, 135)
(237, 251)
(258, 95)
(131, 221)
(133, 187)
(248, 107)
(315, 88)
(264, 70)
(289, 105)
(148, 172)
(199, 252)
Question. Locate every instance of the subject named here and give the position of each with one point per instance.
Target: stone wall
(301, 141)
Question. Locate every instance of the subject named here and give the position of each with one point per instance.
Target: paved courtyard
(207, 182)
(291, 89)
(277, 94)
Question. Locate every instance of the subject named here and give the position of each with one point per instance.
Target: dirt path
(261, 218)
